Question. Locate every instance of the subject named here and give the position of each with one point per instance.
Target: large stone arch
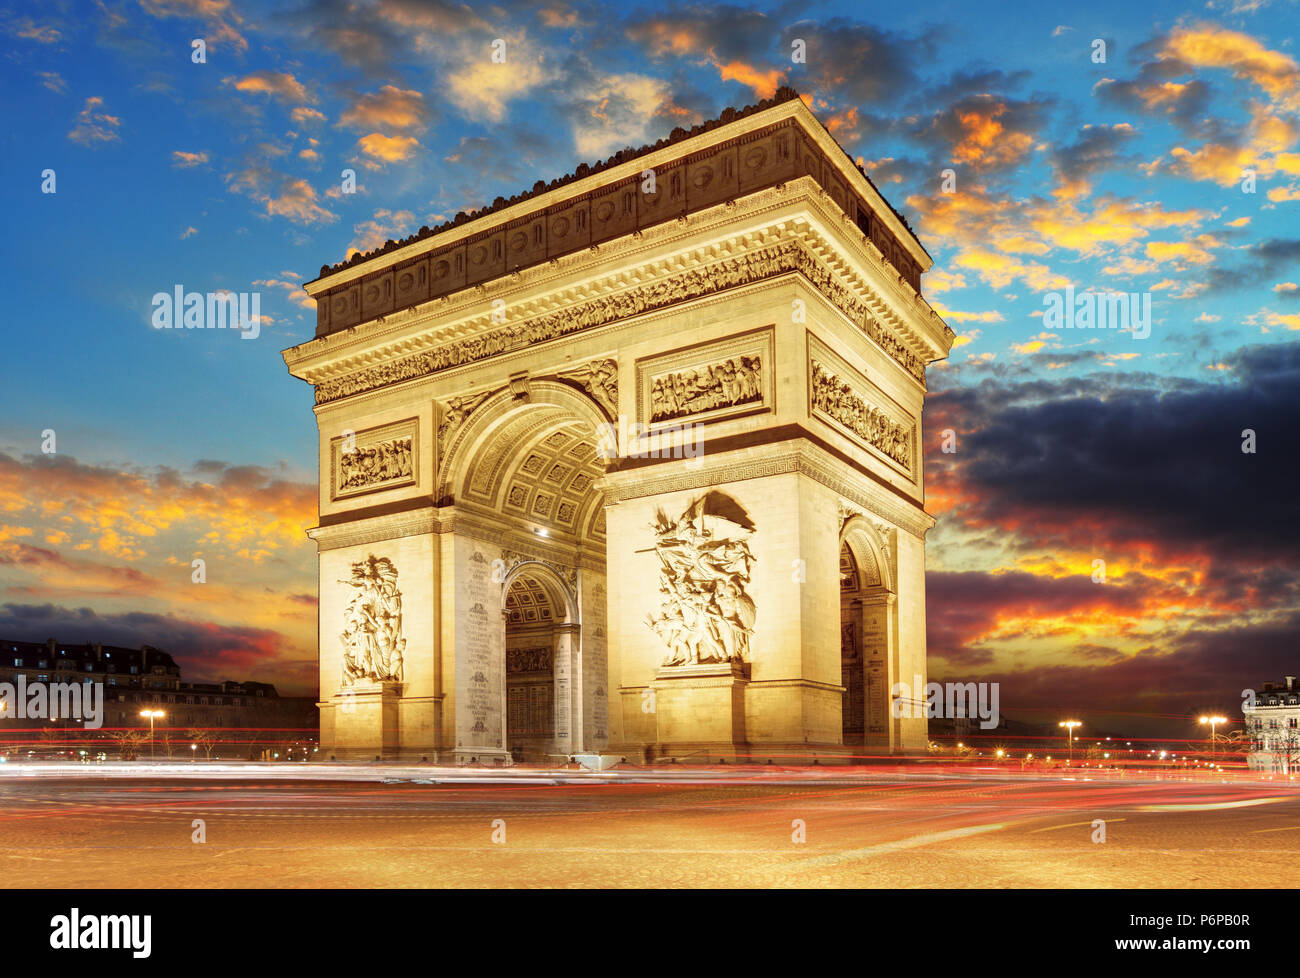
(870, 550)
(461, 374)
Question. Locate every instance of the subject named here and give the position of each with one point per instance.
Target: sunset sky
(1130, 174)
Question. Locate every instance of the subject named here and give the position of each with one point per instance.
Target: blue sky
(1122, 175)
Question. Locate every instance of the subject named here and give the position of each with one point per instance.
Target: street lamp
(1213, 721)
(1069, 726)
(151, 714)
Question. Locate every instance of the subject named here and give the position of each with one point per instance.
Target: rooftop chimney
(1290, 682)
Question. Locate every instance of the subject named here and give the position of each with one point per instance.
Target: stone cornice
(529, 293)
(799, 456)
(800, 248)
(376, 529)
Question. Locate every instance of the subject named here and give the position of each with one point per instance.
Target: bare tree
(203, 738)
(128, 743)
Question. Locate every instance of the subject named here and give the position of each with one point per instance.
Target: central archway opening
(523, 469)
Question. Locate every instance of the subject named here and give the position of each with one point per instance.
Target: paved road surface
(863, 828)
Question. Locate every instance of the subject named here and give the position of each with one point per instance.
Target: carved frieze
(706, 613)
(528, 660)
(694, 283)
(372, 640)
(374, 459)
(841, 397)
(707, 382)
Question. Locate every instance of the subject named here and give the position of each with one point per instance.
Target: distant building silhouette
(149, 678)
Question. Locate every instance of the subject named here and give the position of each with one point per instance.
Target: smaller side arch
(556, 589)
(869, 552)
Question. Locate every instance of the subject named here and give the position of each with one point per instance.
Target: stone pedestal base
(700, 709)
(481, 757)
(366, 721)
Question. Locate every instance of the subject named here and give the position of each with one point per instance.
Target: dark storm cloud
(1133, 464)
(204, 650)
(1262, 263)
(1096, 149)
(1167, 683)
(986, 132)
(1156, 91)
(965, 605)
(973, 81)
(859, 64)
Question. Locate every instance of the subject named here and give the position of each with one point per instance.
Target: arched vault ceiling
(542, 470)
(529, 603)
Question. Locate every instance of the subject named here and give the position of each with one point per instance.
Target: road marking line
(1285, 828)
(1211, 806)
(899, 845)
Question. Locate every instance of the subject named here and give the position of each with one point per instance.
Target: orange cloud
(390, 149)
(93, 126)
(278, 84)
(388, 108)
(764, 83)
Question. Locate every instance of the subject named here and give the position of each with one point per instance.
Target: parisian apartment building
(1273, 728)
(147, 678)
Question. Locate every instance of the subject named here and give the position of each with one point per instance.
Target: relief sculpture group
(378, 463)
(372, 624)
(727, 384)
(705, 613)
(834, 397)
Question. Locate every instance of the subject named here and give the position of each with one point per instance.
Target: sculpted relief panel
(372, 638)
(706, 613)
(840, 396)
(708, 382)
(373, 460)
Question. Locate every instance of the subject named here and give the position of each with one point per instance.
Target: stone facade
(1272, 728)
(609, 485)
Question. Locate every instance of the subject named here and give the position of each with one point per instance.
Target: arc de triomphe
(630, 463)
